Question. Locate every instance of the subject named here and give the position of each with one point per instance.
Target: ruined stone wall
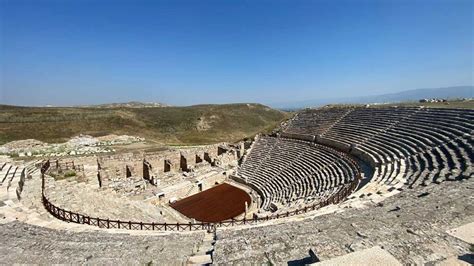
(114, 166)
(191, 187)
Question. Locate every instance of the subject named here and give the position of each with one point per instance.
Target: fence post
(42, 183)
(129, 225)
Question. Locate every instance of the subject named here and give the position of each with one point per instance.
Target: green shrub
(69, 174)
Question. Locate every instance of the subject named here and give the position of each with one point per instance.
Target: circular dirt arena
(217, 204)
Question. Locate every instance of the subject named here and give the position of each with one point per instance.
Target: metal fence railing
(73, 217)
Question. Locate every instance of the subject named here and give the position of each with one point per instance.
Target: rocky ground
(410, 225)
(78, 145)
(29, 244)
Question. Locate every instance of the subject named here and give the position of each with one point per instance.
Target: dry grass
(168, 125)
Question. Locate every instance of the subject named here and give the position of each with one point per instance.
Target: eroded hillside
(198, 124)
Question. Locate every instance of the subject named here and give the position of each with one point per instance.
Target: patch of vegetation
(168, 125)
(69, 174)
(64, 175)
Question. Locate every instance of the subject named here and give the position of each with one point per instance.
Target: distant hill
(128, 105)
(404, 96)
(190, 125)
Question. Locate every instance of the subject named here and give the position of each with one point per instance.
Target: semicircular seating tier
(408, 145)
(289, 172)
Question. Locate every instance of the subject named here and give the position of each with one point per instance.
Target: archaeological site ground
(238, 184)
(263, 132)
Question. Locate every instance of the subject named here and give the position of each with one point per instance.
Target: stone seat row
(405, 138)
(287, 170)
(449, 161)
(302, 180)
(86, 198)
(406, 147)
(304, 122)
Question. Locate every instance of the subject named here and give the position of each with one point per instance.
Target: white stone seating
(5, 173)
(291, 170)
(411, 146)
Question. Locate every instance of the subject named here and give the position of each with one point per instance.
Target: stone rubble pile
(82, 140)
(119, 140)
(78, 145)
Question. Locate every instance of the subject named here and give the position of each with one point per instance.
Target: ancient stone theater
(330, 185)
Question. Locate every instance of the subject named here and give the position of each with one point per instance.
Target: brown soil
(217, 204)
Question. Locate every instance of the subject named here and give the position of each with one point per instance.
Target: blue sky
(187, 52)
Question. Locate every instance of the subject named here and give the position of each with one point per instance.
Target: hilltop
(451, 93)
(132, 104)
(199, 124)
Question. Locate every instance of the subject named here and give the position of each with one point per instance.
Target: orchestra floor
(216, 204)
